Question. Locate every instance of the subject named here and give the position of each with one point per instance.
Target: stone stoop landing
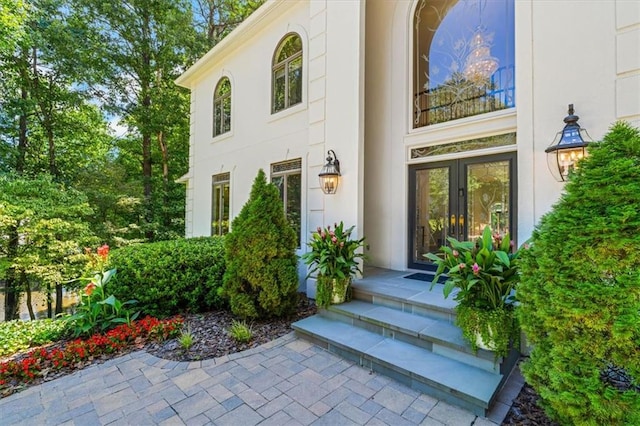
(397, 327)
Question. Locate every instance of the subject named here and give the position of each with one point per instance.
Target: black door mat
(420, 276)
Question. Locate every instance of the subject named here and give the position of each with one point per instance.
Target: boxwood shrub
(170, 277)
(580, 291)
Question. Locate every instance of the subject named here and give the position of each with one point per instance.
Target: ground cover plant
(261, 279)
(37, 364)
(171, 277)
(580, 290)
(19, 335)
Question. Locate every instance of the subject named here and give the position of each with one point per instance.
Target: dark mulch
(525, 410)
(211, 339)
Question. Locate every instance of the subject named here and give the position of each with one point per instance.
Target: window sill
(275, 116)
(223, 136)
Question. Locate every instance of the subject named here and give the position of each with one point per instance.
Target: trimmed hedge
(170, 277)
(580, 291)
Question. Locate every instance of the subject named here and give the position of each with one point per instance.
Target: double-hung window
(220, 204)
(287, 177)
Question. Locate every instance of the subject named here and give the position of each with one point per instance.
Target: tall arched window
(287, 73)
(222, 107)
(463, 59)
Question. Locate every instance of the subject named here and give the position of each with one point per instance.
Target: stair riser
(405, 305)
(420, 384)
(439, 348)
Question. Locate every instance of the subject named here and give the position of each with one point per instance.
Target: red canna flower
(89, 288)
(103, 252)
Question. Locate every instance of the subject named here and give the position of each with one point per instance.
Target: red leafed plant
(38, 361)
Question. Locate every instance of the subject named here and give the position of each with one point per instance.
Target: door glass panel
(432, 211)
(487, 198)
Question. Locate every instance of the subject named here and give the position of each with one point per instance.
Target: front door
(458, 198)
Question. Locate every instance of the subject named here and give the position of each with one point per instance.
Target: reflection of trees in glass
(222, 107)
(289, 184)
(487, 198)
(432, 203)
(220, 206)
(287, 73)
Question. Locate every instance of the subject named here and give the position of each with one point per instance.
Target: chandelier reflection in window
(480, 65)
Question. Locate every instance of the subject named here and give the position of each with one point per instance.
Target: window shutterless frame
(286, 73)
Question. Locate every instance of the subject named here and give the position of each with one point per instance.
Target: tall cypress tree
(261, 279)
(580, 290)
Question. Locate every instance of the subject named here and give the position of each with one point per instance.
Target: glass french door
(458, 198)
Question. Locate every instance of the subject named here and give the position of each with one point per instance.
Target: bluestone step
(458, 383)
(436, 335)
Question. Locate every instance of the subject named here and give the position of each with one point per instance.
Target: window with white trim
(287, 73)
(287, 177)
(220, 203)
(222, 107)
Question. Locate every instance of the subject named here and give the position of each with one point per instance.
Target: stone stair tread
(429, 328)
(470, 383)
(418, 294)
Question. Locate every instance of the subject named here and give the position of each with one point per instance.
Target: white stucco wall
(585, 53)
(329, 117)
(357, 101)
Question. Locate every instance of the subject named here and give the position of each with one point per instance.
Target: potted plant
(334, 257)
(485, 272)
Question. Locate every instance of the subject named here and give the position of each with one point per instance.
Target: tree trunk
(12, 291)
(27, 288)
(145, 88)
(22, 119)
(166, 215)
(58, 298)
(49, 302)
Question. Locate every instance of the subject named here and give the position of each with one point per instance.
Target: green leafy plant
(241, 331)
(171, 277)
(334, 256)
(186, 339)
(16, 336)
(98, 310)
(261, 279)
(485, 273)
(580, 290)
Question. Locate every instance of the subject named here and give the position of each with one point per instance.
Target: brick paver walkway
(285, 382)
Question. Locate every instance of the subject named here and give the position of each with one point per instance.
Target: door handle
(461, 222)
(452, 224)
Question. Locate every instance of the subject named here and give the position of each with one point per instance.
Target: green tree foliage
(261, 278)
(42, 232)
(170, 277)
(580, 290)
(137, 49)
(216, 18)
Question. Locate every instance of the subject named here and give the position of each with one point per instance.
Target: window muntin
(287, 177)
(454, 41)
(287, 74)
(222, 107)
(220, 204)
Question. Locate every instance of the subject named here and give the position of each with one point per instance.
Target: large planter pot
(493, 330)
(331, 291)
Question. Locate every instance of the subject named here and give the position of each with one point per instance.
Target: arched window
(463, 59)
(287, 73)
(222, 107)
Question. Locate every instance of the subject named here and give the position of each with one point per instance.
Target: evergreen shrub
(261, 279)
(171, 277)
(580, 290)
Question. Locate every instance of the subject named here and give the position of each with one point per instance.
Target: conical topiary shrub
(580, 290)
(261, 279)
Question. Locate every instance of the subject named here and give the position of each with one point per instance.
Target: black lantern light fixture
(568, 147)
(330, 174)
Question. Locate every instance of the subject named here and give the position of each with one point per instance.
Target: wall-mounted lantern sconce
(330, 174)
(567, 148)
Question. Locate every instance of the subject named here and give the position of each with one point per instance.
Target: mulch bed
(211, 339)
